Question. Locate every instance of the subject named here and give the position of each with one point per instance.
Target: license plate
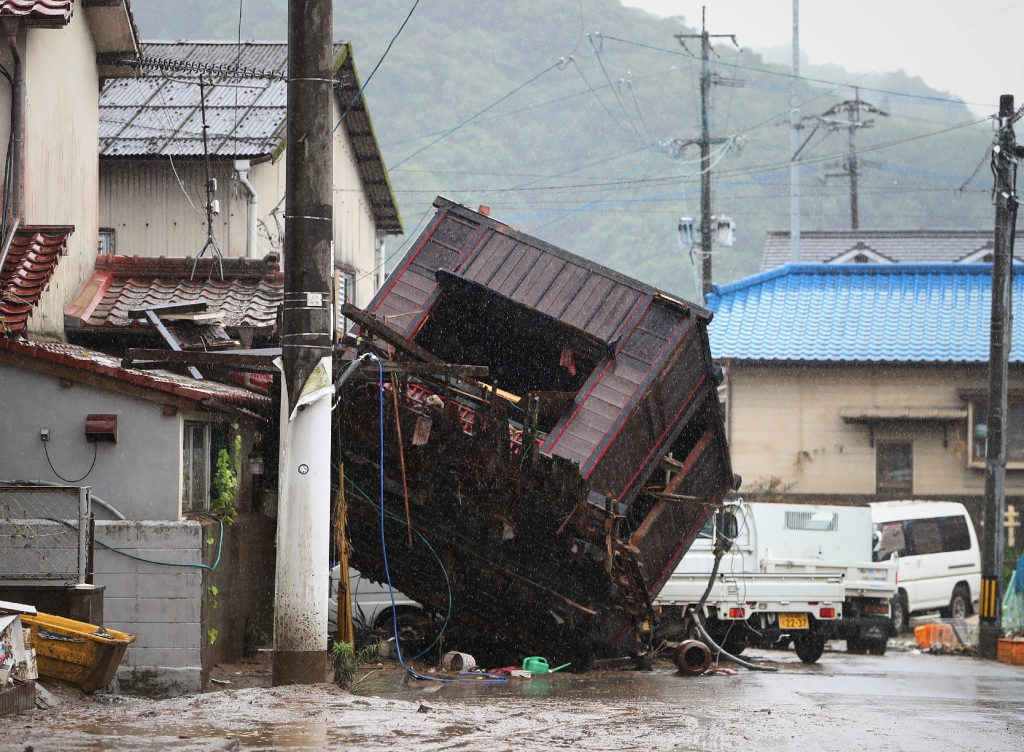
(793, 621)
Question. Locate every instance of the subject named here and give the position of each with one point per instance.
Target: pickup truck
(793, 572)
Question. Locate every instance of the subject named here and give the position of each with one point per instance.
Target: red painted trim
(483, 231)
(639, 393)
(596, 377)
(679, 552)
(397, 274)
(417, 322)
(643, 309)
(668, 430)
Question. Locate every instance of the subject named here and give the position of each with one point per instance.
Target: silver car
(371, 601)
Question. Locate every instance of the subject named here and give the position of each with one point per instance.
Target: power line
(370, 77)
(618, 99)
(560, 63)
(836, 84)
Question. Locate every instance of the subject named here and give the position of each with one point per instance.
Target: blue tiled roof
(862, 312)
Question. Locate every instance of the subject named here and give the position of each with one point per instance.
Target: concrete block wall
(161, 605)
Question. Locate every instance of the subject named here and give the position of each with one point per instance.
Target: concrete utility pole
(1005, 154)
(705, 144)
(794, 143)
(304, 482)
(852, 108)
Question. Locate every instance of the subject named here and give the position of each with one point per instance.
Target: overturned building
(559, 492)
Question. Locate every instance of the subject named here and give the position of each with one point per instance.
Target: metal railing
(45, 533)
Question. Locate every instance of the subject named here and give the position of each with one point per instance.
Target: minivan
(939, 561)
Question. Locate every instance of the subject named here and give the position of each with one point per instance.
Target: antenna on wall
(212, 204)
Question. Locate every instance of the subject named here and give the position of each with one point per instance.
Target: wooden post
(345, 631)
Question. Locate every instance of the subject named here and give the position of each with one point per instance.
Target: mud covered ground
(902, 701)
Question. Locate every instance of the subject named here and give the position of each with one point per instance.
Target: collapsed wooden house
(561, 491)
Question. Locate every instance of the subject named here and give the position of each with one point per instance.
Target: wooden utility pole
(794, 142)
(705, 143)
(304, 476)
(1005, 154)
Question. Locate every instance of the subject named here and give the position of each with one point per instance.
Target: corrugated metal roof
(249, 295)
(862, 312)
(650, 350)
(34, 254)
(159, 115)
(901, 246)
(80, 358)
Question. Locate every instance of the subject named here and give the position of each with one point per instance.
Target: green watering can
(537, 665)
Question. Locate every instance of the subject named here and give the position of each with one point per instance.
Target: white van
(939, 560)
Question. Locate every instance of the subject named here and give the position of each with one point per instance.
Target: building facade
(154, 169)
(864, 381)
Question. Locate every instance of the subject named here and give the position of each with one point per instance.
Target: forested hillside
(578, 152)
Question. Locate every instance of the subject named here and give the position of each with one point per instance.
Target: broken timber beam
(386, 333)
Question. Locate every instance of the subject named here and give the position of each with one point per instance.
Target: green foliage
(226, 481)
(585, 175)
(345, 661)
(211, 635)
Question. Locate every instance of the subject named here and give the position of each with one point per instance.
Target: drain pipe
(242, 169)
(17, 123)
(379, 262)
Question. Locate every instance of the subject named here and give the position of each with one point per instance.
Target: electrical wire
(95, 452)
(370, 77)
(615, 94)
(838, 85)
(557, 64)
(207, 567)
(485, 677)
(440, 563)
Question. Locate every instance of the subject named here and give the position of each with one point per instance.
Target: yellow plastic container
(81, 654)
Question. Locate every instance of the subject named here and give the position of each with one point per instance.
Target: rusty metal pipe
(692, 657)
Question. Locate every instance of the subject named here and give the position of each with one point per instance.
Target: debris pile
(529, 396)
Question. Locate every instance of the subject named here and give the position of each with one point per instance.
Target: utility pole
(794, 143)
(851, 168)
(1005, 154)
(705, 143)
(304, 475)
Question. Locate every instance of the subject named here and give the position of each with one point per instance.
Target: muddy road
(901, 701)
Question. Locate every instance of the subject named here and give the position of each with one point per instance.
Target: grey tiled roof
(159, 115)
(902, 246)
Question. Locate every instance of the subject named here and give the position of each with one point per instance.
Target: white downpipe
(242, 167)
(303, 516)
(379, 262)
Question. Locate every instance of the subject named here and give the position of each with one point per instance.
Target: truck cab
(792, 572)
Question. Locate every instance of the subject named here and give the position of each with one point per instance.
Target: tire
(876, 646)
(899, 613)
(959, 604)
(809, 646)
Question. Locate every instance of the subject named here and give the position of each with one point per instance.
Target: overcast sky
(952, 44)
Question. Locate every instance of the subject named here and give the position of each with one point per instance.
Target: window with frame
(107, 241)
(894, 467)
(201, 444)
(344, 292)
(1013, 426)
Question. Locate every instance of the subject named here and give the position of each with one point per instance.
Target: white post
(794, 143)
(303, 523)
(83, 532)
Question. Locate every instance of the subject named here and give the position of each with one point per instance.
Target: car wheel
(876, 646)
(898, 613)
(960, 603)
(809, 646)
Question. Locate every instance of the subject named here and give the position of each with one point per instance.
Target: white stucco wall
(61, 155)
